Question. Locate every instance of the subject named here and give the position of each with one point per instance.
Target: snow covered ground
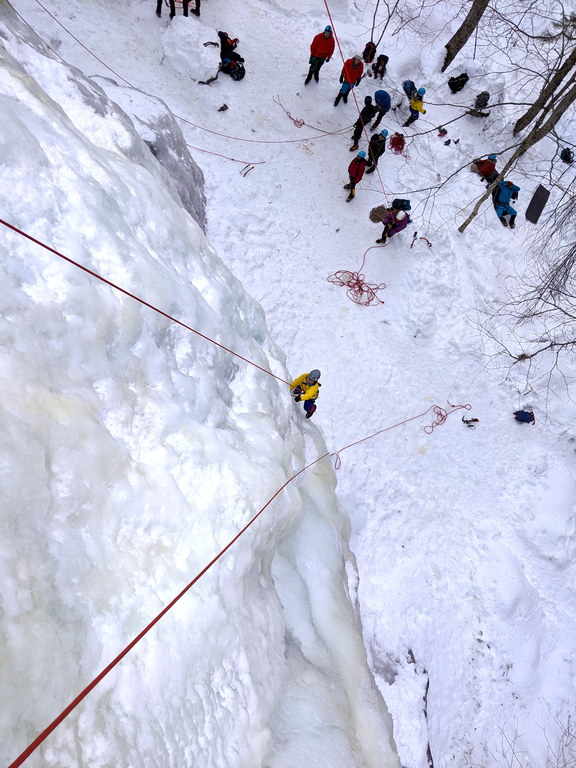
(463, 539)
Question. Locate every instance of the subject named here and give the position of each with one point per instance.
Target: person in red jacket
(355, 172)
(486, 168)
(321, 50)
(351, 76)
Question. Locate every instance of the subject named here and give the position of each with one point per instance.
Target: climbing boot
(351, 195)
(316, 76)
(512, 222)
(346, 186)
(382, 240)
(307, 79)
(337, 99)
(310, 412)
(354, 147)
(371, 169)
(503, 222)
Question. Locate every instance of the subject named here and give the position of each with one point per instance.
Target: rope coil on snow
(359, 291)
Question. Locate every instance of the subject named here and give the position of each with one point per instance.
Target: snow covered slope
(132, 451)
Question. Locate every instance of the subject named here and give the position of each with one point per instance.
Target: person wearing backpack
(366, 115)
(321, 50)
(486, 168)
(394, 221)
(349, 78)
(416, 107)
(503, 193)
(355, 174)
(369, 52)
(383, 103)
(307, 388)
(376, 149)
(379, 66)
(228, 46)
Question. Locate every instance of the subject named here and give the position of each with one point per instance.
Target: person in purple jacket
(394, 222)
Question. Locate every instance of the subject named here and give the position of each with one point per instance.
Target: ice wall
(131, 451)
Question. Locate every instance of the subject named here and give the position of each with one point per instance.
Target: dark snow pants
(172, 8)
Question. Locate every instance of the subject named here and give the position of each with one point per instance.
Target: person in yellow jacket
(416, 106)
(306, 387)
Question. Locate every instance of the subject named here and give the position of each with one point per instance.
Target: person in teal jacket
(306, 388)
(503, 193)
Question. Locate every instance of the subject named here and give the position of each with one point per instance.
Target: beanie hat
(328, 28)
(361, 154)
(492, 157)
(357, 57)
(368, 100)
(421, 91)
(384, 132)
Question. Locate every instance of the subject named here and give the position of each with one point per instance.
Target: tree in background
(464, 32)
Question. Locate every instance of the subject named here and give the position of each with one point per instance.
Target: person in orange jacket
(321, 50)
(351, 75)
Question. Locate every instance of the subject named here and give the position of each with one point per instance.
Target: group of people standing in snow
(321, 51)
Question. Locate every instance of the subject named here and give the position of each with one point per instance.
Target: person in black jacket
(366, 115)
(227, 47)
(376, 149)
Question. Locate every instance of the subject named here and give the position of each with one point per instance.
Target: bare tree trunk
(461, 37)
(538, 132)
(546, 93)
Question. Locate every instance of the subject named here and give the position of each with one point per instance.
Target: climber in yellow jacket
(416, 106)
(306, 388)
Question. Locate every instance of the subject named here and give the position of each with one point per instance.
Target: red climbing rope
(138, 299)
(298, 122)
(359, 291)
(440, 413)
(441, 416)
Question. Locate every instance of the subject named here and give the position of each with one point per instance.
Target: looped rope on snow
(441, 416)
(298, 122)
(359, 291)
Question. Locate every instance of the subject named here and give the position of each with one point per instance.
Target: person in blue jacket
(503, 193)
(382, 103)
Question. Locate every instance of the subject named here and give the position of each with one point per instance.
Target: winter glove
(311, 59)
(297, 399)
(423, 111)
(326, 60)
(515, 198)
(341, 78)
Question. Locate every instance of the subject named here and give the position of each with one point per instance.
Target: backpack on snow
(567, 155)
(408, 86)
(482, 100)
(457, 83)
(525, 417)
(235, 69)
(369, 52)
(401, 205)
